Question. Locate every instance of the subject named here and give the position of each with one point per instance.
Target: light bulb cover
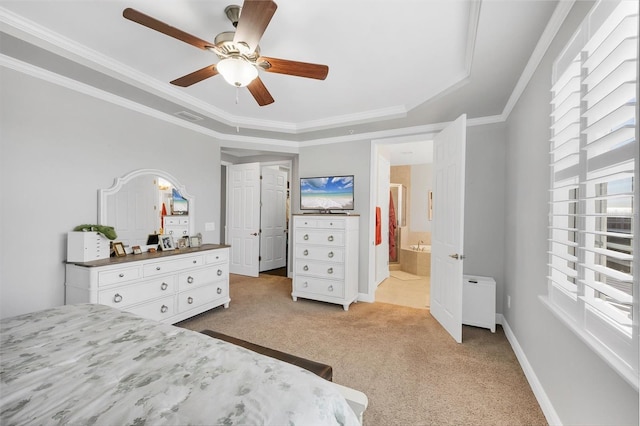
(237, 72)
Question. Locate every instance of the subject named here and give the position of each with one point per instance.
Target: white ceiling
(392, 64)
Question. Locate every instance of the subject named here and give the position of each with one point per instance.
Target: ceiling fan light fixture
(237, 72)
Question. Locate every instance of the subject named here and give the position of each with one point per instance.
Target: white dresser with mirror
(168, 286)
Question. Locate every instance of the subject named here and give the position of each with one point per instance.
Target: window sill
(619, 366)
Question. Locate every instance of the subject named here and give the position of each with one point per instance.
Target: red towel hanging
(378, 226)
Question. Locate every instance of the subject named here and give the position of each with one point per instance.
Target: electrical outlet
(508, 302)
(210, 226)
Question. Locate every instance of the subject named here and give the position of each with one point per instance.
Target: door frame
(291, 175)
(377, 148)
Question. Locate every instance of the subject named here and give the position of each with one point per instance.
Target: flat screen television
(326, 193)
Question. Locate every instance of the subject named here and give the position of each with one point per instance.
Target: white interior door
(273, 220)
(243, 218)
(448, 225)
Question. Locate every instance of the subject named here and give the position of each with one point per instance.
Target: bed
(92, 364)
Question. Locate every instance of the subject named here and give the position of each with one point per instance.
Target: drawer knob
(219, 272)
(170, 232)
(194, 261)
(306, 236)
(117, 298)
(164, 309)
(330, 288)
(306, 252)
(184, 232)
(305, 268)
(219, 290)
(330, 238)
(158, 268)
(305, 285)
(330, 254)
(164, 286)
(121, 275)
(190, 279)
(190, 300)
(330, 270)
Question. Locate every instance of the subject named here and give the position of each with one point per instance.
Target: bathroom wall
(417, 179)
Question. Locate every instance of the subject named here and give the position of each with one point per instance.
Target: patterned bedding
(91, 364)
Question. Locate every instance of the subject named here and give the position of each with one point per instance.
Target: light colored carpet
(411, 370)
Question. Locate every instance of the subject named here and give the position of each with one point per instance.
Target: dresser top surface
(149, 256)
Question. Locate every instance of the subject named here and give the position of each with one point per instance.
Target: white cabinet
(479, 302)
(167, 286)
(87, 246)
(325, 261)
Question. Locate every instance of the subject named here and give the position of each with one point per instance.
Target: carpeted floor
(411, 370)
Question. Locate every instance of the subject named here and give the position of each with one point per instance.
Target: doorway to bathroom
(406, 280)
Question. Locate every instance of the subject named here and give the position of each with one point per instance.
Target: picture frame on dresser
(195, 241)
(167, 243)
(118, 248)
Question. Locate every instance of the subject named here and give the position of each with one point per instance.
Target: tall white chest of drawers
(325, 259)
(166, 286)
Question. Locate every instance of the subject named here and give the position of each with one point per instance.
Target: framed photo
(166, 242)
(183, 243)
(118, 248)
(194, 242)
(136, 250)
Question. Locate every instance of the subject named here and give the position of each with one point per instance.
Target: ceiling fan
(238, 50)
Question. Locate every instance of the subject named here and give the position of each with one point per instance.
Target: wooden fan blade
(196, 76)
(254, 19)
(154, 24)
(300, 69)
(260, 92)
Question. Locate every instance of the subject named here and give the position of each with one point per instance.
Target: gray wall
(57, 148)
(484, 206)
(581, 387)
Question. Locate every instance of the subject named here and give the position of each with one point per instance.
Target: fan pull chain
(237, 94)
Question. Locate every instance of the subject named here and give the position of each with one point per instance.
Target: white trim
(619, 366)
(543, 399)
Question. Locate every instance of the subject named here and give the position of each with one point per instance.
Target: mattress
(92, 364)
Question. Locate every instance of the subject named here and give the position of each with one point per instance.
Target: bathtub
(414, 261)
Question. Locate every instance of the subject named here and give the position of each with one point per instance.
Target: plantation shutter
(593, 196)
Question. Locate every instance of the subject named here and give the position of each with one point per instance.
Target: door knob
(457, 256)
(255, 234)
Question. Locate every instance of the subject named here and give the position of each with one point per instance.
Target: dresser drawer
(157, 268)
(319, 286)
(119, 297)
(319, 269)
(199, 296)
(319, 253)
(330, 223)
(328, 237)
(216, 256)
(158, 310)
(199, 277)
(120, 275)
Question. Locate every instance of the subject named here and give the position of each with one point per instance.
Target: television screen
(326, 193)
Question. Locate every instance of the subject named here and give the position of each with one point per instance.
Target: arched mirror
(146, 202)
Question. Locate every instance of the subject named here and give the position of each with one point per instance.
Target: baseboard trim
(545, 403)
(364, 297)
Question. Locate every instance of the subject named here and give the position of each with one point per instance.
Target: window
(593, 262)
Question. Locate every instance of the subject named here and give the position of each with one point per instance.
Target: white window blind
(593, 209)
